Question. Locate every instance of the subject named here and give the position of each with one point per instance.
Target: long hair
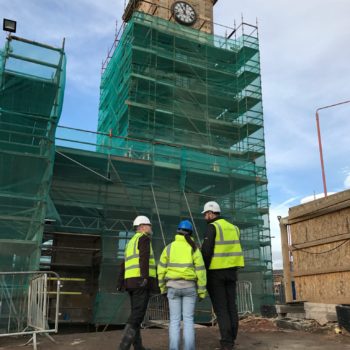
(189, 240)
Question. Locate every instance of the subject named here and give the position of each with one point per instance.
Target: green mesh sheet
(14, 305)
(178, 85)
(32, 78)
(180, 123)
(111, 308)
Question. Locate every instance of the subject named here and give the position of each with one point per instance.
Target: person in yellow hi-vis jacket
(182, 274)
(138, 277)
(223, 256)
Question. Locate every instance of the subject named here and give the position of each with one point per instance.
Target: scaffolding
(180, 123)
(32, 78)
(193, 101)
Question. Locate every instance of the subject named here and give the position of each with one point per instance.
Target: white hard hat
(211, 206)
(141, 220)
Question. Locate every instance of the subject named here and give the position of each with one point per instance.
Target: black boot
(138, 341)
(128, 337)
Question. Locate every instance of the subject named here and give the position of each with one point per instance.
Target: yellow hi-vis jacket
(179, 262)
(132, 258)
(227, 250)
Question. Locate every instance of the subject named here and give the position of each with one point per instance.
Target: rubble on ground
(256, 323)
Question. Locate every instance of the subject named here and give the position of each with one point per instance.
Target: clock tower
(197, 14)
(181, 111)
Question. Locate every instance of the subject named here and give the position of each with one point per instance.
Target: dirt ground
(257, 334)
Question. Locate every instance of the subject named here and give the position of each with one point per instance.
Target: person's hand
(144, 283)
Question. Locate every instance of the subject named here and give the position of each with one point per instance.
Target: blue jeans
(182, 303)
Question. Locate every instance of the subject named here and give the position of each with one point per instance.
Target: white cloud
(347, 182)
(299, 74)
(87, 25)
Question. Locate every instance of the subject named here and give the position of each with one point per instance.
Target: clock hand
(186, 9)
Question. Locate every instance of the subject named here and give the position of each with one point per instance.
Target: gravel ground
(257, 334)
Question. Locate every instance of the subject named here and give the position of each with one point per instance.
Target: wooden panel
(329, 289)
(319, 204)
(322, 227)
(286, 263)
(332, 239)
(333, 255)
(320, 243)
(321, 271)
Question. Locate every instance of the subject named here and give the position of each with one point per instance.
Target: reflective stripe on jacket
(132, 258)
(179, 262)
(227, 250)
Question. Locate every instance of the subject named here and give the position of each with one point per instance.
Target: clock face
(184, 13)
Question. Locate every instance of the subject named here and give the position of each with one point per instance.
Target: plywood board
(334, 255)
(321, 227)
(329, 289)
(322, 267)
(319, 204)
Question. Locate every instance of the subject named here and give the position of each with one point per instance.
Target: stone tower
(166, 9)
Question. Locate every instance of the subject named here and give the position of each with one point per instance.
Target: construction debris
(322, 313)
(257, 324)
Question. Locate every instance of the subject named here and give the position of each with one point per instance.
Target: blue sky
(305, 55)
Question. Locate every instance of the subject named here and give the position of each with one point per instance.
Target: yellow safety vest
(227, 251)
(178, 261)
(132, 258)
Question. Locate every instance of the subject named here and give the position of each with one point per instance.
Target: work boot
(138, 341)
(128, 337)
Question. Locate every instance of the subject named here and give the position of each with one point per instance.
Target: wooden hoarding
(320, 246)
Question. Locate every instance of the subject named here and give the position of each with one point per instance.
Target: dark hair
(190, 241)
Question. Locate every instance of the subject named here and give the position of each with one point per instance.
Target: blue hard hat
(185, 225)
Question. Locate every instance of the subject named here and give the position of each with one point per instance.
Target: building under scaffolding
(180, 123)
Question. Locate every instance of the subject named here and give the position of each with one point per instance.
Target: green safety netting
(180, 123)
(32, 78)
(195, 100)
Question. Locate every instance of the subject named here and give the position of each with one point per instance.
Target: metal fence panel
(24, 303)
(157, 313)
(245, 303)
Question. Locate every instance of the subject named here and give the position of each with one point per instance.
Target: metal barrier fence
(245, 303)
(24, 304)
(157, 313)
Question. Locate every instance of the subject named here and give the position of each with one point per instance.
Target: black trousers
(139, 300)
(221, 286)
